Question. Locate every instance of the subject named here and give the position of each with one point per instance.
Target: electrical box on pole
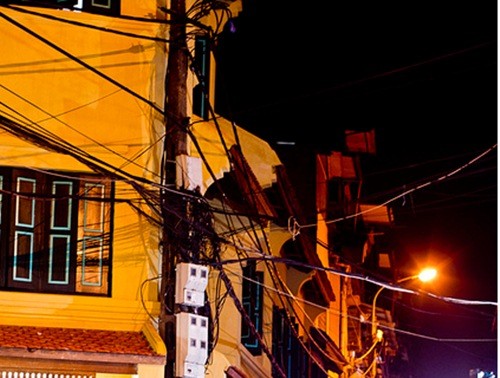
(191, 281)
(191, 329)
(192, 345)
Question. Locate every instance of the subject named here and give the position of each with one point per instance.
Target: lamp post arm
(407, 278)
(374, 303)
(374, 311)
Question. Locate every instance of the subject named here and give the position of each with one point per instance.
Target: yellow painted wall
(71, 101)
(148, 371)
(96, 116)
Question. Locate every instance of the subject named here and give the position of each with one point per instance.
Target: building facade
(123, 257)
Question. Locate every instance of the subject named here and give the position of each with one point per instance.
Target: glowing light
(427, 274)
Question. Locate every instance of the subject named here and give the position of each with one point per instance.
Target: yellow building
(82, 162)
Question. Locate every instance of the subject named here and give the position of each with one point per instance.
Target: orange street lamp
(425, 275)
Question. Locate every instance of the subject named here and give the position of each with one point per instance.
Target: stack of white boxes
(191, 329)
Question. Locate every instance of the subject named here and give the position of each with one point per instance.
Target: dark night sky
(424, 76)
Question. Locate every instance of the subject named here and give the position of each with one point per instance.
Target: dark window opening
(287, 349)
(253, 303)
(202, 70)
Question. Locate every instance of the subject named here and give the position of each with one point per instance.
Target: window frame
(41, 245)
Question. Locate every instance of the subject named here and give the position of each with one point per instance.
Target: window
(106, 7)
(299, 358)
(252, 302)
(55, 232)
(202, 67)
(285, 348)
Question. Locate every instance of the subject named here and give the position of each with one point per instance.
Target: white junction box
(190, 283)
(191, 344)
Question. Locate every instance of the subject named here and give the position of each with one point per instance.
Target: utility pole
(173, 207)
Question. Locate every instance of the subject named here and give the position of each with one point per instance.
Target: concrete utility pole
(175, 145)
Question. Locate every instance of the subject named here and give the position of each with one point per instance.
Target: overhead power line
(409, 191)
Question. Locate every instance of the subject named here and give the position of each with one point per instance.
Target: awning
(215, 137)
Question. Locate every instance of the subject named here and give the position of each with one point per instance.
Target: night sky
(424, 76)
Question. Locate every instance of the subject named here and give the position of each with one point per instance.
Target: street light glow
(427, 274)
